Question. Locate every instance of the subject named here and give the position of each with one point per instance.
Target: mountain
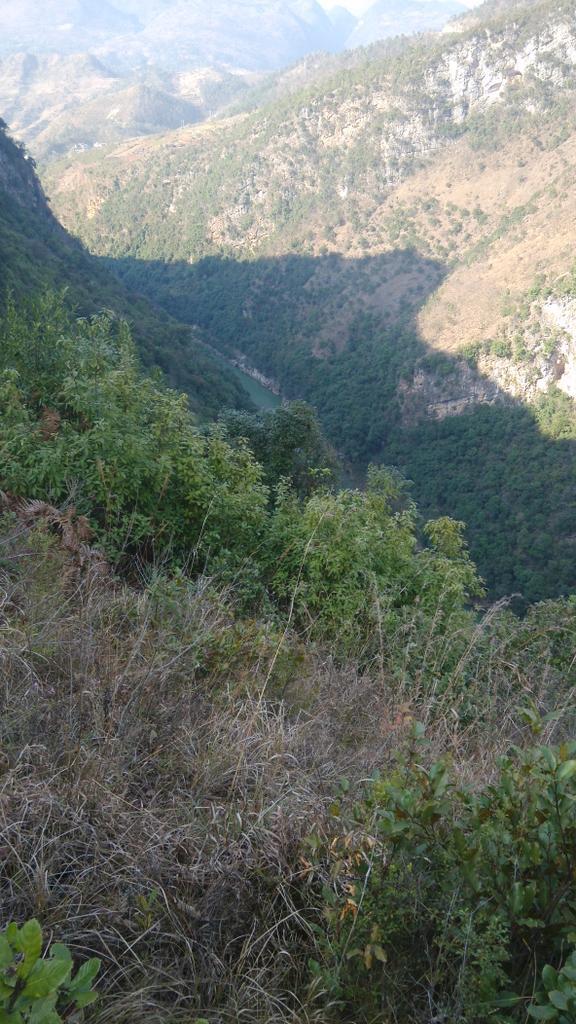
(402, 17)
(231, 33)
(75, 74)
(63, 26)
(174, 34)
(343, 21)
(57, 103)
(37, 253)
(393, 242)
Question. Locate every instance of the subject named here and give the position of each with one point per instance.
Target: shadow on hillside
(342, 334)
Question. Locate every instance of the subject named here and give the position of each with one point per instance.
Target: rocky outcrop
(241, 363)
(548, 359)
(562, 314)
(429, 395)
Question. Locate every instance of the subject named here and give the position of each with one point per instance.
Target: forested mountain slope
(37, 253)
(393, 243)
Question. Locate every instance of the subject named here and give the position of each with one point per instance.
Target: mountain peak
(402, 17)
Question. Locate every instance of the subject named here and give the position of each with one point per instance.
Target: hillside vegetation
(275, 749)
(36, 252)
(392, 241)
(252, 725)
(58, 103)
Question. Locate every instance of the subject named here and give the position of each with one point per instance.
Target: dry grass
(153, 803)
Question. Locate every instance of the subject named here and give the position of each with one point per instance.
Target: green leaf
(542, 1012)
(85, 976)
(558, 999)
(566, 770)
(46, 976)
(29, 942)
(44, 1012)
(549, 977)
(85, 999)
(547, 753)
(6, 952)
(11, 1018)
(60, 952)
(418, 730)
(506, 999)
(517, 898)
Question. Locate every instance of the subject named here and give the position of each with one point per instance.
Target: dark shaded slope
(506, 469)
(37, 253)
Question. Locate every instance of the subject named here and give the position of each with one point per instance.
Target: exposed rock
(429, 396)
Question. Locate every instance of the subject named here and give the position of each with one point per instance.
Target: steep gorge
(394, 243)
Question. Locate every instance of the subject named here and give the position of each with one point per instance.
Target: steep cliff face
(18, 175)
(543, 357)
(429, 396)
(562, 314)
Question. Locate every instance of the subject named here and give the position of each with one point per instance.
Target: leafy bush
(456, 901)
(349, 567)
(78, 417)
(557, 1000)
(37, 990)
(80, 422)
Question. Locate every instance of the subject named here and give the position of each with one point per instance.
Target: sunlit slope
(460, 150)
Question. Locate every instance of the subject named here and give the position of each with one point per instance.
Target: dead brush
(160, 769)
(148, 810)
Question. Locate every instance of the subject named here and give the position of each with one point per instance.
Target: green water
(260, 395)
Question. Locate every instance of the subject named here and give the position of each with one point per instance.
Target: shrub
(349, 568)
(455, 901)
(36, 989)
(78, 416)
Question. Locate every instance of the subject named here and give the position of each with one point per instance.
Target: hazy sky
(359, 6)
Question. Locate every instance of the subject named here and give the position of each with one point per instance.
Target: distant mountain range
(250, 34)
(58, 103)
(75, 74)
(255, 34)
